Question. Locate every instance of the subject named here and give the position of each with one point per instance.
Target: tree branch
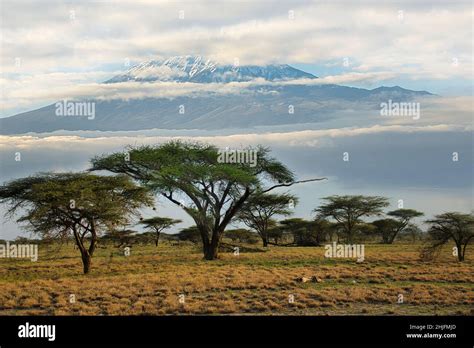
(291, 184)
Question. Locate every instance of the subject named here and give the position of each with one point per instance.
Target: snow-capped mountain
(201, 70)
(262, 104)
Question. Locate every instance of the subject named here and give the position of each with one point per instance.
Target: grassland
(150, 280)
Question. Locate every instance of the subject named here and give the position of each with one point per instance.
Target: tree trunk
(86, 254)
(263, 234)
(86, 262)
(349, 233)
(461, 251)
(394, 235)
(157, 239)
(93, 238)
(93, 245)
(211, 251)
(86, 259)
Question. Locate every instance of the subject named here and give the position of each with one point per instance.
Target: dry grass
(150, 281)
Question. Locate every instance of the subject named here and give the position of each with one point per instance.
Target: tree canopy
(242, 235)
(451, 226)
(348, 211)
(402, 218)
(258, 211)
(81, 204)
(386, 228)
(190, 175)
(158, 224)
(305, 232)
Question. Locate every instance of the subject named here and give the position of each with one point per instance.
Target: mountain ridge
(201, 70)
(261, 105)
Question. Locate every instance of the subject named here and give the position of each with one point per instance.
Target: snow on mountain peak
(201, 70)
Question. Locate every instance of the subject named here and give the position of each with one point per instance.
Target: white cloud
(309, 138)
(430, 40)
(31, 89)
(255, 32)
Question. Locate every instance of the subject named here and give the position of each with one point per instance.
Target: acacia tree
(84, 205)
(242, 235)
(191, 176)
(349, 210)
(158, 224)
(121, 237)
(386, 228)
(293, 225)
(307, 233)
(190, 234)
(402, 218)
(413, 232)
(454, 226)
(276, 233)
(258, 211)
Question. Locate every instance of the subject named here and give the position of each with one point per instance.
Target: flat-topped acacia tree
(258, 211)
(349, 210)
(157, 224)
(191, 176)
(79, 204)
(403, 218)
